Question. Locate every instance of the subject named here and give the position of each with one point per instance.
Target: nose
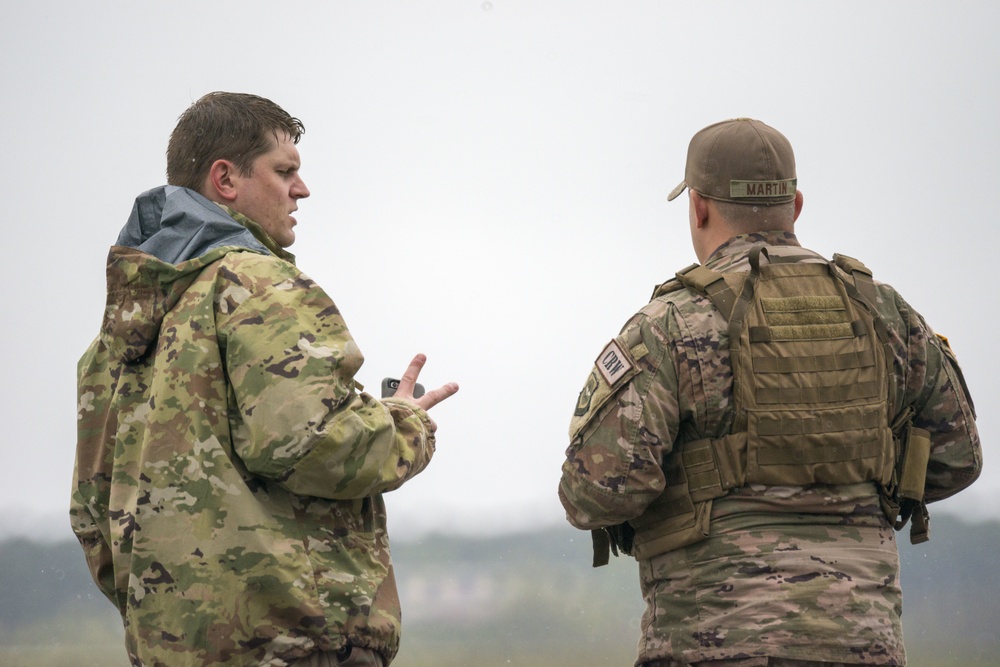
(299, 189)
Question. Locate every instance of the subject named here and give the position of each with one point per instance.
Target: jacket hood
(141, 291)
(175, 224)
(171, 235)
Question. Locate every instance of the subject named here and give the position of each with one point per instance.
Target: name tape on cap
(750, 189)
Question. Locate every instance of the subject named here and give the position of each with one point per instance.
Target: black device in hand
(390, 385)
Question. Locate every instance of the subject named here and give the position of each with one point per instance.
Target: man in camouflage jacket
(786, 575)
(229, 470)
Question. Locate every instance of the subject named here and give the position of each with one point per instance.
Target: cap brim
(676, 191)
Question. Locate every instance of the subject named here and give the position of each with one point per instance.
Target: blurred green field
(529, 599)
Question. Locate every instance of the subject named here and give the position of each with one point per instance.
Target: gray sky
(489, 187)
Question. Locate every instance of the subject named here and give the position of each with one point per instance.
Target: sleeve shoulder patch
(613, 367)
(613, 363)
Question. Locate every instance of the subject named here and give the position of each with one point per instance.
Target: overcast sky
(489, 186)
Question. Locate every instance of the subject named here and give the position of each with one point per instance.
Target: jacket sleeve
(625, 421)
(935, 388)
(92, 472)
(296, 414)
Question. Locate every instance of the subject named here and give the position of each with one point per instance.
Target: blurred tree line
(518, 599)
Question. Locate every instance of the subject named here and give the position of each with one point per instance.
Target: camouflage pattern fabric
(808, 573)
(229, 471)
(351, 656)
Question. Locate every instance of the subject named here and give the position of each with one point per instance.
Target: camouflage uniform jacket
(229, 471)
(807, 573)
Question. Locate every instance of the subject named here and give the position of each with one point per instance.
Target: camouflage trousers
(748, 662)
(349, 656)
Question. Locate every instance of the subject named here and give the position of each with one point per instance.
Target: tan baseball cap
(742, 161)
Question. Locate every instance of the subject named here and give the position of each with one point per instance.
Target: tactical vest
(813, 393)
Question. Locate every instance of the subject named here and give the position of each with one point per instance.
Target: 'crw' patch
(613, 363)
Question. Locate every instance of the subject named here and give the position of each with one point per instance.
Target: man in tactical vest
(756, 432)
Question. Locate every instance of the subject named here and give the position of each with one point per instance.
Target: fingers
(409, 379)
(410, 376)
(435, 396)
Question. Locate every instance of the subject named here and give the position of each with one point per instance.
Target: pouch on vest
(903, 498)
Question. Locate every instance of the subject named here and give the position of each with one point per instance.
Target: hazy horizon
(489, 185)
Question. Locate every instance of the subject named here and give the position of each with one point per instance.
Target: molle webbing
(809, 425)
(862, 291)
(823, 362)
(809, 379)
(811, 391)
(699, 472)
(782, 395)
(714, 467)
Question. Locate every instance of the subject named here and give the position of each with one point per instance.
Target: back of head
(748, 169)
(750, 218)
(238, 127)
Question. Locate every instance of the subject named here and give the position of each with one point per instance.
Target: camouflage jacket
(809, 573)
(229, 471)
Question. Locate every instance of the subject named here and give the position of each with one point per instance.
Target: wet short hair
(225, 126)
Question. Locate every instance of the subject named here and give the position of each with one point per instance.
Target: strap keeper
(602, 547)
(920, 525)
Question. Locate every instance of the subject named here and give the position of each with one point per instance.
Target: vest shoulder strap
(861, 274)
(723, 289)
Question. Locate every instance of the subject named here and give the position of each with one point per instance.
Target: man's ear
(700, 205)
(798, 204)
(221, 181)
